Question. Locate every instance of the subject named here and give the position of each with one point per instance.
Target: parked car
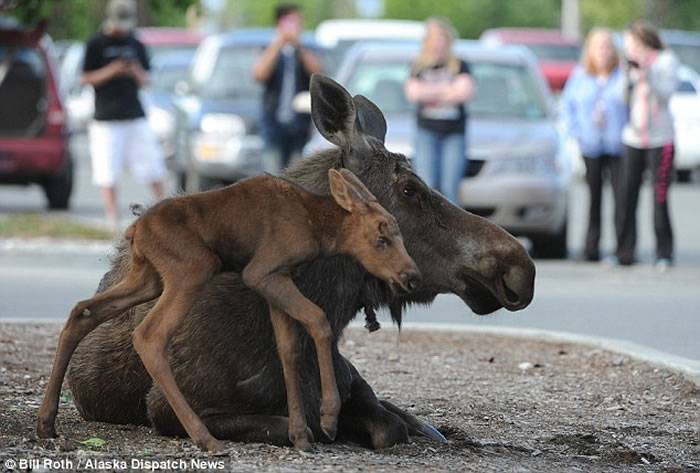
(556, 53)
(686, 45)
(685, 108)
(217, 131)
(518, 175)
(338, 36)
(33, 132)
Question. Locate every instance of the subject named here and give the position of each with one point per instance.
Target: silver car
(519, 170)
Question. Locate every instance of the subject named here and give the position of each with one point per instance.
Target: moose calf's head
(456, 251)
(371, 234)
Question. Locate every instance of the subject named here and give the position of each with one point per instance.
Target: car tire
(58, 188)
(552, 246)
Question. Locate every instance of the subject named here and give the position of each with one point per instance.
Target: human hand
(119, 67)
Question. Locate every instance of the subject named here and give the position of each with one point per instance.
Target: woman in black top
(440, 85)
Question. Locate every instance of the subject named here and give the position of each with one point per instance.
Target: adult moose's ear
(332, 110)
(370, 119)
(345, 193)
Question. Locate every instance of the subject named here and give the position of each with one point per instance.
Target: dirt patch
(504, 404)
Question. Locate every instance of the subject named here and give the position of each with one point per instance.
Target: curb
(688, 368)
(47, 245)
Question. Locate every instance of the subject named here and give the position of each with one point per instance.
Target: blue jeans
(440, 161)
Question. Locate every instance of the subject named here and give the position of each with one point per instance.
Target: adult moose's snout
(519, 285)
(411, 279)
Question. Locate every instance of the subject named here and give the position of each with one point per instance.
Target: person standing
(651, 79)
(285, 69)
(595, 114)
(116, 65)
(440, 85)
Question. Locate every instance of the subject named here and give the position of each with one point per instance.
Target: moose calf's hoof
(302, 440)
(329, 425)
(213, 445)
(45, 430)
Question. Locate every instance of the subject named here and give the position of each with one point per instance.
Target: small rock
(526, 365)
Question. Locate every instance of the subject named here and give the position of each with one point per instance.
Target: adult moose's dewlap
(227, 326)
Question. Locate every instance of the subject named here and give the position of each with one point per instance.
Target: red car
(163, 40)
(33, 132)
(557, 54)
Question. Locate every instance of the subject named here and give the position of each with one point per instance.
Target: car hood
(195, 107)
(488, 138)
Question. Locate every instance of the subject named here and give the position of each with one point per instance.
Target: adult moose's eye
(409, 191)
(382, 242)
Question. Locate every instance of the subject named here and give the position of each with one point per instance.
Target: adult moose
(224, 357)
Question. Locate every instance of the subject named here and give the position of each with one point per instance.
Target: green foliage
(94, 442)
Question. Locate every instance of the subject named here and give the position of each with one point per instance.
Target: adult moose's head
(456, 252)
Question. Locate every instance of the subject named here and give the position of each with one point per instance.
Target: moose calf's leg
(141, 284)
(288, 350)
(281, 292)
(151, 339)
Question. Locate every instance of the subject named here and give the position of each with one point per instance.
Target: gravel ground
(504, 404)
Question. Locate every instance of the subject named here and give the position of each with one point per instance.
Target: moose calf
(263, 226)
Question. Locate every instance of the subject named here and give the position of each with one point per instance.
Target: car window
(156, 51)
(22, 90)
(685, 87)
(231, 74)
(687, 54)
(555, 52)
(501, 90)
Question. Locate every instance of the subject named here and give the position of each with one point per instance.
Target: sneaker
(663, 265)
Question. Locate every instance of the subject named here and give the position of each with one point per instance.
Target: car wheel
(684, 175)
(58, 187)
(550, 246)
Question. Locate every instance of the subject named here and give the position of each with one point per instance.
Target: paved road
(637, 304)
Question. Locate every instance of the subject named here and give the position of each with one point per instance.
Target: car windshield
(231, 76)
(157, 51)
(555, 52)
(22, 90)
(688, 55)
(501, 90)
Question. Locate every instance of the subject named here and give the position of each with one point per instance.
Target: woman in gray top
(651, 79)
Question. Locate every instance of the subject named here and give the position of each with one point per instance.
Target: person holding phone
(285, 69)
(116, 65)
(651, 79)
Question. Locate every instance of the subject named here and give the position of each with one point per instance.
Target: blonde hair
(450, 34)
(587, 56)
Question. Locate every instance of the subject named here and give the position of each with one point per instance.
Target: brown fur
(264, 227)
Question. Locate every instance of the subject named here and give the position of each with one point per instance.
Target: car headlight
(162, 122)
(222, 124)
(533, 165)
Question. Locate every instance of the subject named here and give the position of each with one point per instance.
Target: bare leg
(151, 339)
(281, 292)
(140, 285)
(158, 189)
(288, 350)
(109, 198)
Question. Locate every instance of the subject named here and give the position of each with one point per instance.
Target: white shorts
(113, 142)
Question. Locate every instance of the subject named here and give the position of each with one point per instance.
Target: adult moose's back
(228, 369)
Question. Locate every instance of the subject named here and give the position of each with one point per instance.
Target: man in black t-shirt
(116, 65)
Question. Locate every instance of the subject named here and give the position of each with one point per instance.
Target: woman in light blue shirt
(595, 114)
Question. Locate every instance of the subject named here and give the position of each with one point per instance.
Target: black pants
(635, 160)
(596, 171)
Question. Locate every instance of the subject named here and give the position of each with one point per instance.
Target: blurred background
(203, 104)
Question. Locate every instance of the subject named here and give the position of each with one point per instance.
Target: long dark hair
(646, 34)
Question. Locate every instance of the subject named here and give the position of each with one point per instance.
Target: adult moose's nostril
(518, 287)
(511, 296)
(411, 280)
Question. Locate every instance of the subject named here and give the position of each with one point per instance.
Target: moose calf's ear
(344, 192)
(357, 184)
(332, 110)
(370, 119)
